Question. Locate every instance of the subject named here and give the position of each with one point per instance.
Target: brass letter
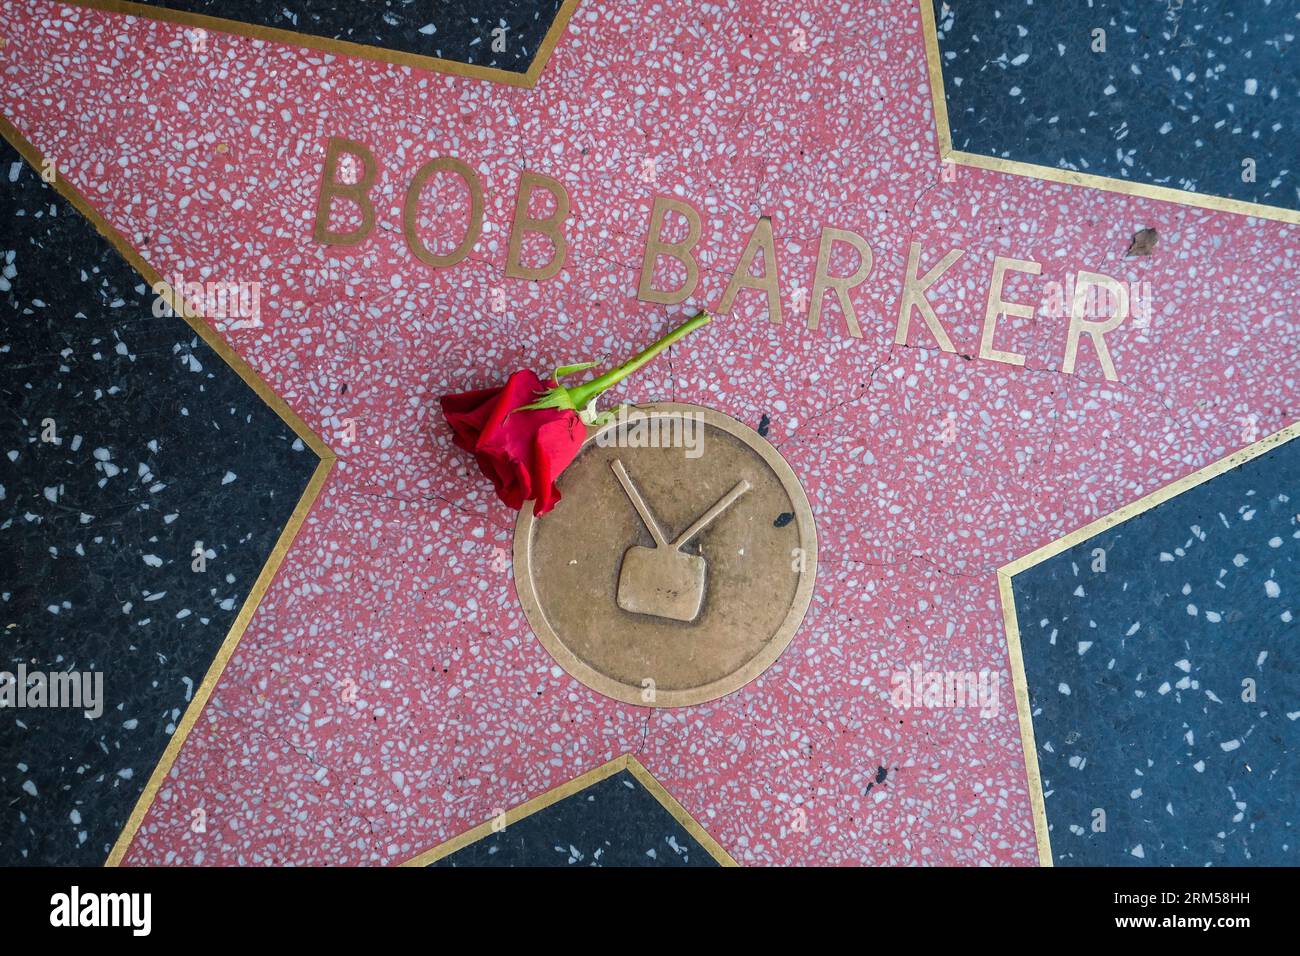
(760, 238)
(1078, 325)
(358, 192)
(996, 305)
(411, 209)
(914, 295)
(822, 280)
(551, 227)
(681, 251)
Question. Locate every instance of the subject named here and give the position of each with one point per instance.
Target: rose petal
(557, 444)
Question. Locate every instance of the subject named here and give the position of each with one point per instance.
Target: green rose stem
(579, 396)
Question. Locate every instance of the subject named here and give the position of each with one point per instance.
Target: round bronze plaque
(678, 564)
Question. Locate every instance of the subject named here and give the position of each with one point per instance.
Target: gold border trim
(287, 534)
(577, 785)
(1050, 550)
(601, 683)
(347, 47)
(1067, 177)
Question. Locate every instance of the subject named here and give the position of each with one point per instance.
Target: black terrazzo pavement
(1202, 95)
(460, 30)
(158, 445)
(615, 822)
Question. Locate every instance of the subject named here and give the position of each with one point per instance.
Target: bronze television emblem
(662, 580)
(661, 621)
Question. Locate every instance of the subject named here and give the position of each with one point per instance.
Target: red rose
(524, 434)
(523, 452)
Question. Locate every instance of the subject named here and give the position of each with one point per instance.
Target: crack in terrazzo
(925, 191)
(351, 780)
(980, 572)
(1165, 405)
(1053, 454)
(429, 496)
(862, 390)
(609, 260)
(215, 708)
